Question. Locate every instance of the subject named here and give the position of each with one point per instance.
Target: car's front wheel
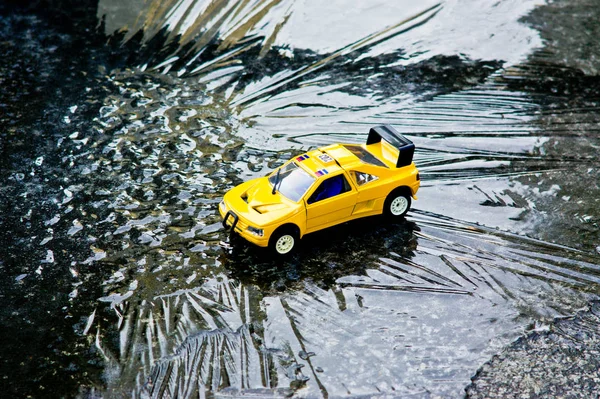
(397, 204)
(283, 241)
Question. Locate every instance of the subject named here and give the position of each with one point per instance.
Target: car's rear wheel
(397, 204)
(283, 241)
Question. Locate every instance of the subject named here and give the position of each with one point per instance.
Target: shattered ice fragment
(187, 143)
(77, 227)
(20, 277)
(39, 161)
(110, 218)
(199, 248)
(151, 238)
(191, 278)
(598, 249)
(116, 299)
(287, 53)
(49, 257)
(89, 323)
(122, 229)
(189, 234)
(98, 254)
(117, 276)
(211, 228)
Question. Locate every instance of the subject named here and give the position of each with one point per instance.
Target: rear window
(364, 155)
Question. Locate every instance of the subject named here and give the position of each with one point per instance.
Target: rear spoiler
(405, 147)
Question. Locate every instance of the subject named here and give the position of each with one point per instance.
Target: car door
(330, 203)
(369, 199)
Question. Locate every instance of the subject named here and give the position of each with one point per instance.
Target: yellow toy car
(322, 188)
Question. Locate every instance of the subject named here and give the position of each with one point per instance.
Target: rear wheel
(283, 241)
(397, 204)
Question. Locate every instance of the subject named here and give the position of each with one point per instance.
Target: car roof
(337, 157)
(317, 163)
(327, 160)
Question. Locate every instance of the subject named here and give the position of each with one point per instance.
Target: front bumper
(239, 224)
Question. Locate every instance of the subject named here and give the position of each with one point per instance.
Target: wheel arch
(289, 226)
(401, 190)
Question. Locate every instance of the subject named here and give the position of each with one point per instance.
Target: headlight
(222, 206)
(255, 231)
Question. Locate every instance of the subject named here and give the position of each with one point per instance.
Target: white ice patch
(191, 278)
(122, 229)
(76, 228)
(53, 221)
(133, 285)
(49, 257)
(98, 254)
(116, 299)
(187, 144)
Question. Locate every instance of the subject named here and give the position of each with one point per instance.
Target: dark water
(122, 127)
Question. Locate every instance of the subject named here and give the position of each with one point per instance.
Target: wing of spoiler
(405, 147)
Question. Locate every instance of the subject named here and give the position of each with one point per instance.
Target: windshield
(293, 181)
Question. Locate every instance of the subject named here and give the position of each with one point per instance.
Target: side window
(330, 188)
(363, 178)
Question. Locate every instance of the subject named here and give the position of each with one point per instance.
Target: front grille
(241, 224)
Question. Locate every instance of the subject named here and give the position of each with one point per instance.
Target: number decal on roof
(325, 158)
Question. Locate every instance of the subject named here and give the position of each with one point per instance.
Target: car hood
(255, 201)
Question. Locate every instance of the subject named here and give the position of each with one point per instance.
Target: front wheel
(283, 241)
(396, 204)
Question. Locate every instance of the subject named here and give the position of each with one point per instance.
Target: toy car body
(324, 187)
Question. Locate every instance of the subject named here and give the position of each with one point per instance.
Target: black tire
(284, 241)
(397, 204)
